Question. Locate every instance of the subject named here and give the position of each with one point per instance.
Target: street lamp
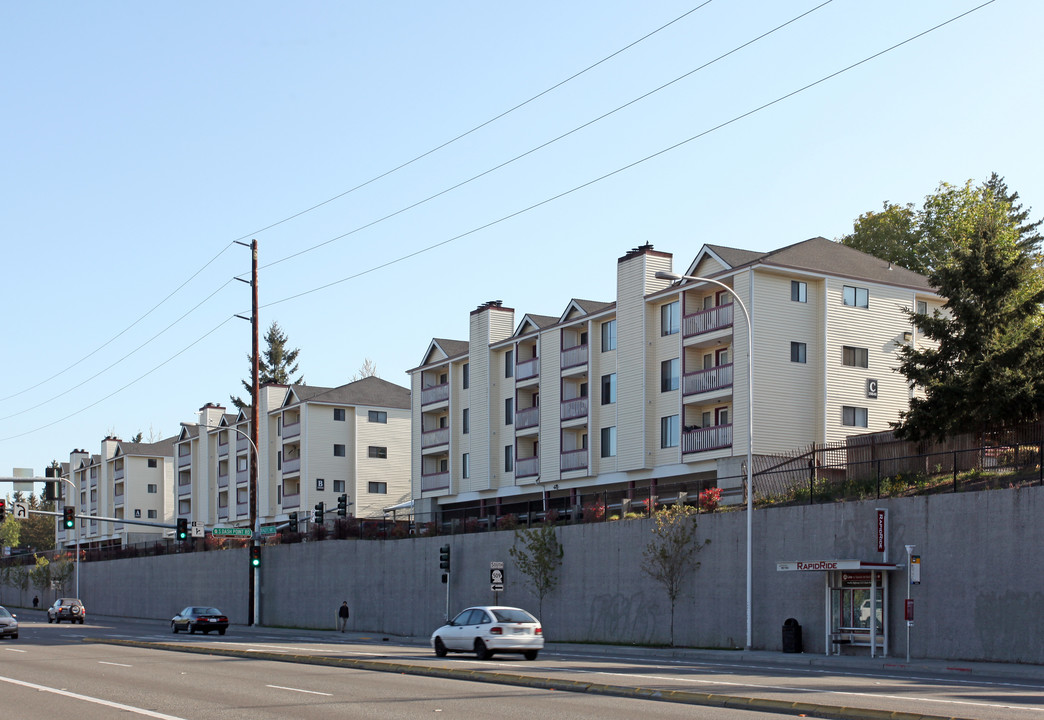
(674, 277)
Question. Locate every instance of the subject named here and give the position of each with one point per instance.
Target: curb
(487, 676)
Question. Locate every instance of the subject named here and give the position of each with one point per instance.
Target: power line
(619, 170)
(477, 127)
(548, 142)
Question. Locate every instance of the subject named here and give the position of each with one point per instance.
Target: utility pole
(255, 392)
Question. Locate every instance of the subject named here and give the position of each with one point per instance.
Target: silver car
(8, 624)
(485, 630)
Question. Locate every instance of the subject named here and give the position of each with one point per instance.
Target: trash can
(791, 636)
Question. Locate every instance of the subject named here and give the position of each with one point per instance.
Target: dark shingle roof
(371, 391)
(162, 448)
(452, 348)
(592, 306)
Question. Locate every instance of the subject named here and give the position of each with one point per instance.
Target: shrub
(710, 499)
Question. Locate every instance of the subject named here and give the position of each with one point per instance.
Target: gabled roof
(534, 323)
(188, 431)
(824, 257)
(160, 448)
(443, 349)
(370, 391)
(577, 307)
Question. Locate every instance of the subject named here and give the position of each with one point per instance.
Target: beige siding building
(647, 394)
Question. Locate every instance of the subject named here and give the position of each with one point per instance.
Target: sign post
(496, 580)
(909, 602)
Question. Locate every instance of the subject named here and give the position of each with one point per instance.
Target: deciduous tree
(670, 558)
(537, 554)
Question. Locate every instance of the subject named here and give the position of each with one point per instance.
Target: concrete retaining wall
(979, 598)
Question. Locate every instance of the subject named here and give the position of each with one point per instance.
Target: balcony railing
(574, 356)
(291, 501)
(702, 381)
(118, 492)
(293, 465)
(223, 513)
(574, 408)
(185, 459)
(223, 480)
(434, 394)
(242, 509)
(242, 442)
(435, 481)
(291, 429)
(705, 321)
(242, 476)
(527, 418)
(527, 369)
(709, 438)
(117, 474)
(438, 436)
(527, 467)
(573, 460)
(185, 489)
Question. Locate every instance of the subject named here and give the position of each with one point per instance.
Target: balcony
(291, 501)
(574, 356)
(709, 320)
(435, 481)
(527, 467)
(573, 409)
(184, 458)
(527, 418)
(573, 460)
(117, 474)
(292, 466)
(242, 476)
(242, 509)
(242, 442)
(222, 480)
(527, 369)
(291, 430)
(184, 489)
(433, 438)
(704, 439)
(223, 513)
(708, 380)
(434, 394)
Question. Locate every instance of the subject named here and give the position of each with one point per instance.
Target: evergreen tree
(277, 364)
(985, 364)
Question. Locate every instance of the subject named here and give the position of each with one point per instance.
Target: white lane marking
(87, 698)
(15, 650)
(786, 688)
(310, 692)
(102, 662)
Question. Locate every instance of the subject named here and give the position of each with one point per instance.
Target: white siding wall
(601, 416)
(319, 433)
(661, 404)
(394, 470)
(550, 404)
(481, 376)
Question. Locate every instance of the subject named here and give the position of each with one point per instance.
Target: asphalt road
(54, 671)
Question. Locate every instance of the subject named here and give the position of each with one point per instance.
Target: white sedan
(485, 630)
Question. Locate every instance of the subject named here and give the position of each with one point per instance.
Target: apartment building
(126, 480)
(651, 388)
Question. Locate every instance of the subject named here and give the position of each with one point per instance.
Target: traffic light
(293, 522)
(70, 517)
(182, 528)
(3, 510)
(319, 508)
(255, 556)
(444, 557)
(342, 505)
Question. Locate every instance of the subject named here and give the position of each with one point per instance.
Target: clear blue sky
(141, 139)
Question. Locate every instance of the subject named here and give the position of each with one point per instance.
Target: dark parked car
(8, 624)
(69, 609)
(200, 617)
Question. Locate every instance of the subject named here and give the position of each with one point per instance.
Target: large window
(338, 450)
(377, 488)
(152, 488)
(922, 307)
(608, 336)
(797, 352)
(798, 291)
(377, 416)
(465, 421)
(670, 320)
(509, 458)
(376, 451)
(856, 296)
(853, 416)
(339, 414)
(152, 462)
(338, 486)
(669, 375)
(509, 411)
(509, 364)
(609, 389)
(608, 442)
(669, 431)
(855, 357)
(465, 465)
(465, 373)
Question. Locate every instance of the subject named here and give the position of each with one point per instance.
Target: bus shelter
(855, 602)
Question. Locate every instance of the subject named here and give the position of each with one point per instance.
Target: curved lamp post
(664, 275)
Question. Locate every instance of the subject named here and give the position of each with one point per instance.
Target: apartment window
(466, 376)
(856, 296)
(377, 488)
(509, 411)
(509, 458)
(669, 375)
(798, 291)
(152, 489)
(152, 462)
(855, 357)
(338, 450)
(797, 352)
(608, 336)
(509, 364)
(853, 416)
(279, 460)
(241, 463)
(465, 465)
(669, 431)
(608, 442)
(377, 416)
(609, 389)
(669, 319)
(338, 486)
(465, 421)
(152, 514)
(339, 414)
(922, 307)
(375, 451)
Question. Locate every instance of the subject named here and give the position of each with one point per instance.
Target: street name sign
(238, 532)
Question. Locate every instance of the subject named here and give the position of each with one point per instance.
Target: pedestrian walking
(342, 616)
(36, 602)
